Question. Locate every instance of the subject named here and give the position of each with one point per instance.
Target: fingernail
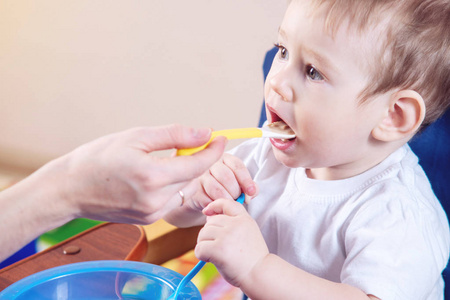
(201, 133)
(251, 190)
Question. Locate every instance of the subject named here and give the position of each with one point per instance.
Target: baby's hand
(227, 178)
(231, 240)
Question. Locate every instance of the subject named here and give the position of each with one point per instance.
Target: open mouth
(280, 125)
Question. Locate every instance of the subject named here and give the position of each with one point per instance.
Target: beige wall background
(71, 71)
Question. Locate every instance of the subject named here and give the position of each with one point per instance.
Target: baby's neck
(353, 168)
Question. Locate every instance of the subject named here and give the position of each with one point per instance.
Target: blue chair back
(432, 146)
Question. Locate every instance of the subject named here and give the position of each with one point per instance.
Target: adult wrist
(47, 191)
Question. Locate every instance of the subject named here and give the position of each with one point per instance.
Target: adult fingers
(185, 194)
(170, 137)
(184, 168)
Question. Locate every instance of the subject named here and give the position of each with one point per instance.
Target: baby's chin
(286, 160)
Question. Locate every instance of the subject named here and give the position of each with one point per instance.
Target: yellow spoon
(278, 130)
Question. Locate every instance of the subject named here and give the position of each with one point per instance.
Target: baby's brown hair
(415, 47)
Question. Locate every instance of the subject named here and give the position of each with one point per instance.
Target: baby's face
(313, 86)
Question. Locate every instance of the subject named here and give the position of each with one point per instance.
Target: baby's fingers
(215, 240)
(224, 207)
(241, 174)
(220, 182)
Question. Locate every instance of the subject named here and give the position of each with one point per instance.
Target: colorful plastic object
(101, 280)
(241, 133)
(64, 232)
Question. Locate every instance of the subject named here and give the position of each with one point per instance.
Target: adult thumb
(174, 137)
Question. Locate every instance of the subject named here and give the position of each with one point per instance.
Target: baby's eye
(282, 51)
(312, 73)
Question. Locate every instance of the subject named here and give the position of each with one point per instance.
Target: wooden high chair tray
(108, 241)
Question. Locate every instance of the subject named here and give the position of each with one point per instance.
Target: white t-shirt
(382, 231)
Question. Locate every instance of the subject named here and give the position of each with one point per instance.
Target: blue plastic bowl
(101, 280)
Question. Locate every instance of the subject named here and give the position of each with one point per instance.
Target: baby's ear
(403, 117)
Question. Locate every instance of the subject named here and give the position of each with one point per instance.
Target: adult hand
(113, 178)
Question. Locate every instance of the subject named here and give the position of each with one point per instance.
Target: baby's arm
(232, 241)
(227, 178)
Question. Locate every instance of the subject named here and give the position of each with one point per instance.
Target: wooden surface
(171, 244)
(109, 241)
